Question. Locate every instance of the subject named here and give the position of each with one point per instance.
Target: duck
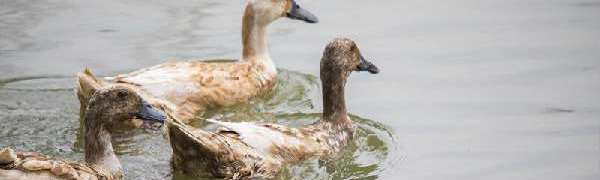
(189, 87)
(107, 107)
(241, 150)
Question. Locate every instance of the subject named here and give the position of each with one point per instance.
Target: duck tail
(179, 134)
(87, 85)
(7, 156)
(195, 148)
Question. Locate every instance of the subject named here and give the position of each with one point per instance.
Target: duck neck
(254, 42)
(334, 103)
(98, 146)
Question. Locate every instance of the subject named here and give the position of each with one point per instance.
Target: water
(468, 89)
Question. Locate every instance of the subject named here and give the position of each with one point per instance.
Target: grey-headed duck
(245, 150)
(107, 107)
(192, 86)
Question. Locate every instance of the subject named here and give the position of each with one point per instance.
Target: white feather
(258, 137)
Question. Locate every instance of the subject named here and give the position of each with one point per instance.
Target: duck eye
(122, 94)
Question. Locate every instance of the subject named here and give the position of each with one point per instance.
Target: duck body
(250, 150)
(190, 87)
(193, 86)
(287, 144)
(221, 155)
(240, 150)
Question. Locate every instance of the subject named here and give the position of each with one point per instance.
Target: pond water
(468, 89)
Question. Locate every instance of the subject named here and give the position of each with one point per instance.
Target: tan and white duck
(107, 107)
(192, 86)
(245, 150)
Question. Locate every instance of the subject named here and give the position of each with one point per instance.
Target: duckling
(193, 86)
(106, 107)
(246, 150)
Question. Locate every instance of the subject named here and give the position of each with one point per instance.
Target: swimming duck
(106, 107)
(245, 150)
(192, 86)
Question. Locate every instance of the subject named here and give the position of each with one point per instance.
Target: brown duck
(188, 87)
(246, 150)
(107, 108)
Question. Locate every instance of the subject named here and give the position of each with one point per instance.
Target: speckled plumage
(34, 166)
(245, 150)
(194, 86)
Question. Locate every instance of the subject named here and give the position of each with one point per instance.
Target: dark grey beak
(149, 113)
(367, 66)
(296, 12)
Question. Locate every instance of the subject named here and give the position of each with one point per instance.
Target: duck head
(125, 107)
(108, 109)
(341, 57)
(268, 11)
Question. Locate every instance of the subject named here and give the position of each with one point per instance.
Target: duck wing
(171, 78)
(271, 139)
(178, 81)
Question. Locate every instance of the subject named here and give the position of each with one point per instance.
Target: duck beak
(150, 114)
(367, 66)
(298, 13)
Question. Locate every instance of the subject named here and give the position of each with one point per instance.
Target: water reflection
(363, 158)
(294, 92)
(39, 114)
